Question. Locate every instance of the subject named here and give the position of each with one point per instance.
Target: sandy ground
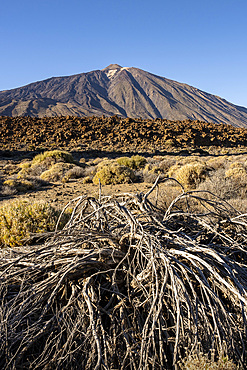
(60, 194)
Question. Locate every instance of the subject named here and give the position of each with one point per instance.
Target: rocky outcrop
(115, 134)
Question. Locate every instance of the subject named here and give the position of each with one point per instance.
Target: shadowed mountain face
(127, 92)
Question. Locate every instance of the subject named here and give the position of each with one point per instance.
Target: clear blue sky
(199, 42)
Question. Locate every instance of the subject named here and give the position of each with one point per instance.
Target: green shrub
(21, 218)
(43, 162)
(57, 155)
(124, 161)
(138, 161)
(135, 162)
(113, 173)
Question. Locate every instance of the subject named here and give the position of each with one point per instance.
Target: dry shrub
(44, 162)
(150, 172)
(239, 203)
(219, 184)
(10, 169)
(75, 172)
(188, 159)
(236, 170)
(35, 169)
(19, 219)
(127, 285)
(56, 172)
(98, 161)
(90, 171)
(173, 169)
(86, 180)
(201, 361)
(166, 164)
(233, 189)
(17, 185)
(190, 174)
(113, 173)
(152, 168)
(147, 176)
(218, 162)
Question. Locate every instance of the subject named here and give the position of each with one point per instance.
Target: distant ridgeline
(115, 133)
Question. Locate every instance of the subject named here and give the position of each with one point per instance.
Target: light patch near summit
(110, 74)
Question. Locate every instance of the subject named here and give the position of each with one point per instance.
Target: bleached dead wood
(126, 285)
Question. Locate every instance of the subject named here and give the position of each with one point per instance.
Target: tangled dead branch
(128, 285)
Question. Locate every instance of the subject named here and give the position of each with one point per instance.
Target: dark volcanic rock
(115, 134)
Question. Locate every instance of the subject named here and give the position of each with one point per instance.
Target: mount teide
(128, 92)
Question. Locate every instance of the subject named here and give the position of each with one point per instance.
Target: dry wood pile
(127, 285)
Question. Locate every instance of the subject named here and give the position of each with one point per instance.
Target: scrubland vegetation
(223, 175)
(137, 281)
(167, 266)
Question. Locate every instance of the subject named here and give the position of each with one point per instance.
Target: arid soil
(61, 194)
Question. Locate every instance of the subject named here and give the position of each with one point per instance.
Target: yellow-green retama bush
(44, 161)
(189, 175)
(56, 154)
(135, 162)
(21, 218)
(113, 173)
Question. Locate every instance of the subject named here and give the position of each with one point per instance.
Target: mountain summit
(123, 91)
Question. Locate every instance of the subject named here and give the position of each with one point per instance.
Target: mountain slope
(128, 92)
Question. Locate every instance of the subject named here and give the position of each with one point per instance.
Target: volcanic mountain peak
(123, 91)
(112, 70)
(112, 67)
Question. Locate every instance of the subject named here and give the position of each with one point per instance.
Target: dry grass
(201, 361)
(15, 185)
(127, 285)
(191, 174)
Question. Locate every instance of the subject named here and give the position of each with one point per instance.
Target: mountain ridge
(124, 91)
